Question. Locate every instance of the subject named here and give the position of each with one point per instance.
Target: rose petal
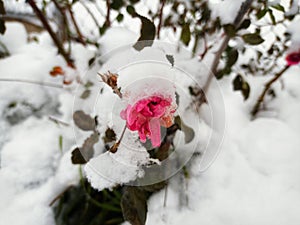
(155, 132)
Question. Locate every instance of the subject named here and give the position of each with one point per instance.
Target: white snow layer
(255, 179)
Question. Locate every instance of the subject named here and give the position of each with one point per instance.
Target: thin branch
(65, 23)
(56, 41)
(107, 20)
(116, 145)
(90, 12)
(46, 84)
(237, 21)
(80, 36)
(57, 121)
(161, 11)
(266, 89)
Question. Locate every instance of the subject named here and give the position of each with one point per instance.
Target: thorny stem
(160, 17)
(46, 84)
(266, 89)
(237, 21)
(56, 41)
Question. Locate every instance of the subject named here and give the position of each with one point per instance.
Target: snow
(232, 7)
(254, 179)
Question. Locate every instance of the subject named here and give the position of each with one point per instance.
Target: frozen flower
(147, 115)
(293, 58)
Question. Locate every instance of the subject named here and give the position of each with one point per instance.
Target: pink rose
(293, 58)
(147, 115)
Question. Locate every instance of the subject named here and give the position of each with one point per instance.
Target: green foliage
(185, 35)
(230, 30)
(239, 84)
(117, 4)
(253, 38)
(231, 57)
(83, 205)
(147, 33)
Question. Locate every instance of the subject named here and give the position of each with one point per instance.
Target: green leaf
(130, 9)
(260, 14)
(253, 39)
(116, 4)
(83, 121)
(170, 58)
(88, 84)
(229, 30)
(147, 33)
(185, 36)
(134, 205)
(239, 84)
(246, 90)
(278, 7)
(245, 24)
(60, 143)
(272, 17)
(85, 94)
(91, 61)
(232, 57)
(120, 17)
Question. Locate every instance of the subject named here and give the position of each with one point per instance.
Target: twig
(58, 121)
(116, 145)
(80, 36)
(237, 21)
(46, 84)
(160, 17)
(266, 89)
(90, 12)
(65, 24)
(56, 41)
(107, 20)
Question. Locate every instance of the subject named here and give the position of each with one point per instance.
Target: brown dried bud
(111, 79)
